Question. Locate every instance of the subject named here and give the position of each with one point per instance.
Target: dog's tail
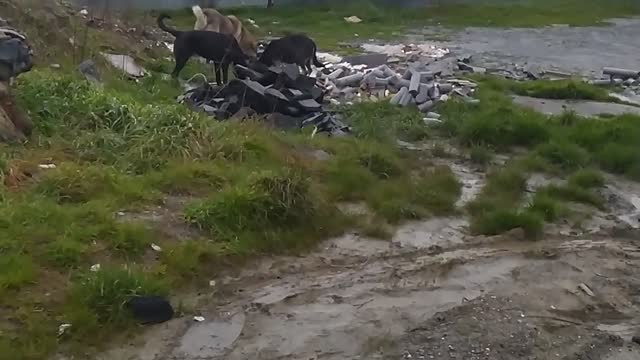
(316, 62)
(164, 27)
(201, 18)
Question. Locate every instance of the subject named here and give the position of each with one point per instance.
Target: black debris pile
(281, 95)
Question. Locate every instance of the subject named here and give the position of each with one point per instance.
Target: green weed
(586, 178)
(16, 271)
(434, 193)
(547, 89)
(102, 295)
(546, 207)
(573, 193)
(564, 154)
(480, 155)
(498, 221)
(384, 122)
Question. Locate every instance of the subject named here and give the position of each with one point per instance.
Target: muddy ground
(434, 291)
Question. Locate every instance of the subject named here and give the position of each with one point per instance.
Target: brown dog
(212, 20)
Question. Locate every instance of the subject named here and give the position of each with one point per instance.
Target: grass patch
(16, 271)
(376, 229)
(564, 154)
(562, 143)
(99, 298)
(587, 179)
(480, 155)
(434, 193)
(496, 123)
(503, 190)
(496, 222)
(547, 207)
(268, 200)
(382, 121)
(573, 193)
(571, 89)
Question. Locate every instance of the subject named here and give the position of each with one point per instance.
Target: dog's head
(249, 44)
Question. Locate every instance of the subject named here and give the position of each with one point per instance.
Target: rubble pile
(417, 85)
(287, 98)
(628, 79)
(406, 75)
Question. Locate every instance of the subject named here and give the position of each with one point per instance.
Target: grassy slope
(247, 190)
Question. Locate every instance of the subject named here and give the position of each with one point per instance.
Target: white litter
(156, 248)
(328, 57)
(95, 268)
(47, 166)
(586, 289)
(63, 328)
(353, 19)
(199, 318)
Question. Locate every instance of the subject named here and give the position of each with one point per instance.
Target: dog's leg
(225, 71)
(308, 66)
(180, 64)
(181, 55)
(217, 67)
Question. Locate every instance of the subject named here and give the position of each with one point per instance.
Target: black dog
(221, 49)
(292, 49)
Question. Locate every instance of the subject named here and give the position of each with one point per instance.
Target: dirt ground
(434, 291)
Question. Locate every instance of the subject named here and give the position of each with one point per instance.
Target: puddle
(625, 331)
(211, 338)
(442, 232)
(356, 245)
(472, 182)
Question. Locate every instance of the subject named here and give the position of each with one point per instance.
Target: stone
(125, 63)
(395, 100)
(243, 72)
(426, 106)
(350, 80)
(309, 105)
(276, 94)
(370, 60)
(406, 98)
(445, 88)
(335, 74)
(621, 73)
(150, 309)
(423, 94)
(88, 69)
(414, 84)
